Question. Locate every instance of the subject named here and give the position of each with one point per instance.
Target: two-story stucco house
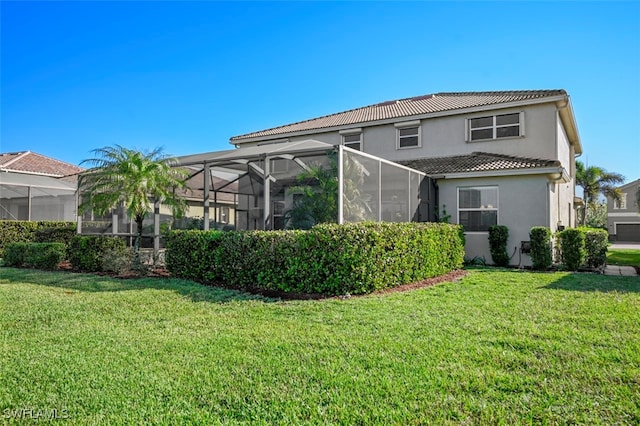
(496, 157)
(623, 217)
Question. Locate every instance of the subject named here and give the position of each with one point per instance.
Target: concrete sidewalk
(624, 271)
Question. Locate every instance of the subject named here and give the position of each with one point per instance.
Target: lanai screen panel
(382, 191)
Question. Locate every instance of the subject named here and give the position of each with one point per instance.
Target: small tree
(597, 215)
(134, 179)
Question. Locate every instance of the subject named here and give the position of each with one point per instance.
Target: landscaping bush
(86, 252)
(14, 254)
(572, 253)
(35, 255)
(59, 234)
(22, 231)
(328, 259)
(595, 245)
(541, 250)
(498, 239)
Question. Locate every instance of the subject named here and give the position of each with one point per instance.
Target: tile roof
(438, 102)
(34, 163)
(476, 162)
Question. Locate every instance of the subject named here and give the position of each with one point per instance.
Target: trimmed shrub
(14, 254)
(22, 231)
(541, 250)
(61, 234)
(35, 255)
(595, 245)
(327, 259)
(498, 239)
(572, 253)
(86, 252)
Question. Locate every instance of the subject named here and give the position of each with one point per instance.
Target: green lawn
(506, 347)
(630, 257)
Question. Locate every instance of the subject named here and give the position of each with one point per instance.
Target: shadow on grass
(96, 284)
(588, 282)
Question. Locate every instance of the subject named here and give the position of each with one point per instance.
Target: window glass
(481, 122)
(508, 119)
(478, 208)
(494, 127)
(408, 137)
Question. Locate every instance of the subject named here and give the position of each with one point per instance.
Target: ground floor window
(478, 208)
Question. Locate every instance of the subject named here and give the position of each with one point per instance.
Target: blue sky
(187, 76)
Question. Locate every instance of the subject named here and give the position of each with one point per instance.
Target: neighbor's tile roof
(425, 104)
(31, 162)
(476, 162)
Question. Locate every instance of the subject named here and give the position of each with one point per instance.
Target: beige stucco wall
(523, 202)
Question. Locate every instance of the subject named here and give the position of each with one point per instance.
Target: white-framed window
(622, 203)
(477, 207)
(353, 141)
(408, 137)
(495, 127)
(224, 214)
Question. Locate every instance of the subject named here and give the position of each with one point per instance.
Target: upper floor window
(478, 208)
(353, 141)
(408, 134)
(495, 127)
(621, 204)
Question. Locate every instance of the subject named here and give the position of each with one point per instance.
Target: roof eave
(491, 107)
(569, 122)
(552, 172)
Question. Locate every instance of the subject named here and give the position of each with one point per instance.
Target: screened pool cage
(284, 186)
(35, 197)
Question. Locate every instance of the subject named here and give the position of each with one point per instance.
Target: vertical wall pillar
(78, 215)
(207, 184)
(114, 221)
(29, 204)
(156, 227)
(340, 185)
(267, 194)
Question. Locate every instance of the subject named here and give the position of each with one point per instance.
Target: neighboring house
(623, 216)
(35, 187)
(496, 157)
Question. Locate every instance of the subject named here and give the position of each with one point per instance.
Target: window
(408, 137)
(224, 214)
(478, 208)
(353, 141)
(495, 127)
(622, 203)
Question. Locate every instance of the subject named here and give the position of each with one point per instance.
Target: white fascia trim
(500, 173)
(418, 117)
(631, 216)
(35, 173)
(352, 131)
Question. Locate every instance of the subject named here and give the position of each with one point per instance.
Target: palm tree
(595, 181)
(133, 179)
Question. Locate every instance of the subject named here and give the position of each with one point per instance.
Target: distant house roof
(426, 104)
(476, 162)
(34, 163)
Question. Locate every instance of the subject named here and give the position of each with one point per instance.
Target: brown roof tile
(31, 162)
(424, 104)
(476, 162)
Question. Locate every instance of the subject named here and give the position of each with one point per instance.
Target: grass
(630, 257)
(499, 346)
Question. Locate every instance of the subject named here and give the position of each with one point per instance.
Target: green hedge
(572, 253)
(541, 250)
(498, 239)
(328, 259)
(596, 241)
(34, 255)
(583, 247)
(86, 252)
(19, 231)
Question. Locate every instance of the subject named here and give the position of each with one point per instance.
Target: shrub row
(328, 259)
(86, 252)
(34, 255)
(18, 231)
(577, 247)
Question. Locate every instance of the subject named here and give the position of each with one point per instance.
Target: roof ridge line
(21, 154)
